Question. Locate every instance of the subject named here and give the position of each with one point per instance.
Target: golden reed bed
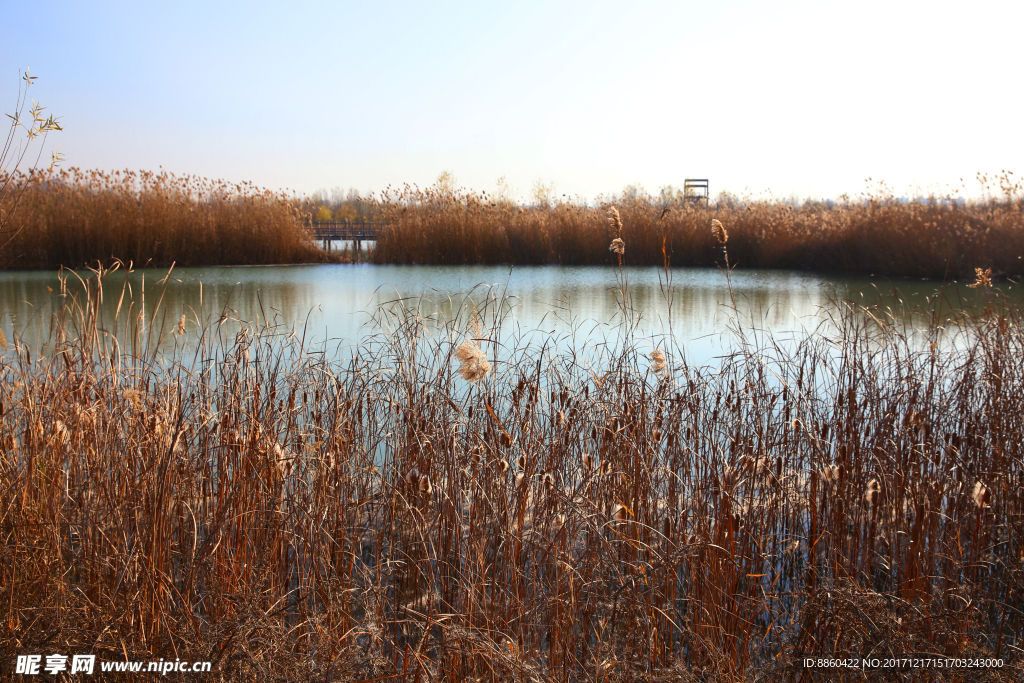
(935, 237)
(461, 505)
(74, 218)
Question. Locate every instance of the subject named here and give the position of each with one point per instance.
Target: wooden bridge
(355, 232)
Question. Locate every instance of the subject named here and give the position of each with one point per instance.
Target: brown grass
(293, 517)
(73, 217)
(933, 237)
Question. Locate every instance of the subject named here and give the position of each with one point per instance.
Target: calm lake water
(332, 304)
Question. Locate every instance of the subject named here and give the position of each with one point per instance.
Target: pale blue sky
(799, 98)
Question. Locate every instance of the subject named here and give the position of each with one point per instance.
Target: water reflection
(333, 303)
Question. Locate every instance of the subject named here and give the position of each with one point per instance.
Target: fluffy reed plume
(61, 433)
(618, 246)
(282, 459)
(750, 465)
(872, 493)
(475, 366)
(425, 485)
(180, 330)
(980, 495)
(729, 479)
(660, 362)
(615, 221)
(718, 230)
(619, 513)
(982, 278)
(833, 473)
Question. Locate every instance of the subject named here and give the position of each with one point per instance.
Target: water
(331, 304)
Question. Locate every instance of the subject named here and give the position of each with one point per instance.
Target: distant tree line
(339, 205)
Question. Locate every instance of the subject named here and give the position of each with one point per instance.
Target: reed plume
(474, 364)
(982, 278)
(619, 513)
(660, 362)
(718, 230)
(980, 495)
(615, 220)
(872, 493)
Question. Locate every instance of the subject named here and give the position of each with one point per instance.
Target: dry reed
(72, 218)
(934, 237)
(293, 517)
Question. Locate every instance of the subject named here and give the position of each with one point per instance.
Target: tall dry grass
(604, 513)
(74, 217)
(934, 237)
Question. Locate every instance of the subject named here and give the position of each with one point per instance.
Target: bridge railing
(343, 231)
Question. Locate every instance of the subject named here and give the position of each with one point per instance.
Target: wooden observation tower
(696, 190)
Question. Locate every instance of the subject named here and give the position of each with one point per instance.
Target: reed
(295, 516)
(72, 217)
(934, 237)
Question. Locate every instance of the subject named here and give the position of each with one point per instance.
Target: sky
(783, 99)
